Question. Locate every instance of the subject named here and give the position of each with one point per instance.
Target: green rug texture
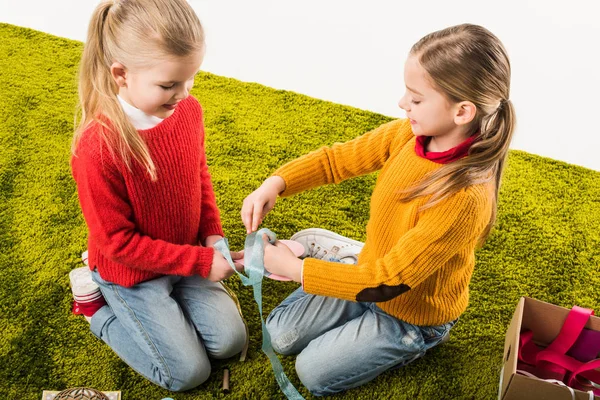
(546, 243)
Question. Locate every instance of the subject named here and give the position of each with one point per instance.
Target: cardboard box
(545, 321)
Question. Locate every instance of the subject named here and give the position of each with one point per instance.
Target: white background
(353, 52)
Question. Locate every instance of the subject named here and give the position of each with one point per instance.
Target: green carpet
(546, 243)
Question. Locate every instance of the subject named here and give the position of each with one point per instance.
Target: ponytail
(491, 149)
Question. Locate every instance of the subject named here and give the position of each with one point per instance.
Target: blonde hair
(468, 63)
(135, 33)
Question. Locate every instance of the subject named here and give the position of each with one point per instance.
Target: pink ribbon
(552, 362)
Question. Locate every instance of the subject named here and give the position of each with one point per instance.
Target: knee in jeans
(190, 375)
(232, 343)
(283, 342)
(311, 377)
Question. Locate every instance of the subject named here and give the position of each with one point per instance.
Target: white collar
(138, 118)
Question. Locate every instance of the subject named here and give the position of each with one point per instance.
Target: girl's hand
(257, 205)
(280, 260)
(220, 268)
(237, 255)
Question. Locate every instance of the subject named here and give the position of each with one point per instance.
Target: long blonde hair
(135, 33)
(468, 63)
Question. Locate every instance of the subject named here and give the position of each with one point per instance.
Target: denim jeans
(166, 328)
(343, 344)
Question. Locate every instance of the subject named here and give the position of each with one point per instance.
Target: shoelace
(314, 253)
(340, 253)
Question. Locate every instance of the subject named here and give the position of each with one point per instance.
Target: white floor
(352, 52)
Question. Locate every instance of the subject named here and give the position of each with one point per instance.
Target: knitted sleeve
(110, 220)
(210, 219)
(441, 232)
(365, 154)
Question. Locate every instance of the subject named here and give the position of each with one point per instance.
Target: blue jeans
(166, 328)
(343, 344)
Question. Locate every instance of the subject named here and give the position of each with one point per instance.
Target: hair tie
(501, 104)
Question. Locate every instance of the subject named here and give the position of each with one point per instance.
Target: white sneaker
(86, 293)
(326, 245)
(82, 285)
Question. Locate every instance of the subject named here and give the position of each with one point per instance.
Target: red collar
(443, 157)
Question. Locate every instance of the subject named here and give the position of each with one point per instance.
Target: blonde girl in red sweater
(146, 196)
(433, 203)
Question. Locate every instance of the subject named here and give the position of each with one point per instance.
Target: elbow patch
(381, 293)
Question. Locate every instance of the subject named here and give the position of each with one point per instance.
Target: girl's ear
(119, 74)
(465, 113)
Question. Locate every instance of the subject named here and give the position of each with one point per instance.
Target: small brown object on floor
(226, 380)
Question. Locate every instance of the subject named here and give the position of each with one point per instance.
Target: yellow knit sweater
(431, 252)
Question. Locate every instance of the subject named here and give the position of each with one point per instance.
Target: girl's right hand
(258, 204)
(220, 268)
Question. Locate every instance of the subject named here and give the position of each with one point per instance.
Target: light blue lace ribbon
(254, 252)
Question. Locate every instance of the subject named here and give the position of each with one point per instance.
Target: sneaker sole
(327, 234)
(88, 298)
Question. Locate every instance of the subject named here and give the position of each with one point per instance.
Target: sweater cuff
(302, 275)
(205, 260)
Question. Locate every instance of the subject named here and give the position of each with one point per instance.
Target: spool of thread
(226, 380)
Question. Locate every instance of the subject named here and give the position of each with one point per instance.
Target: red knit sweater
(139, 229)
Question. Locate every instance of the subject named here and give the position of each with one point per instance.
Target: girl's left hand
(280, 260)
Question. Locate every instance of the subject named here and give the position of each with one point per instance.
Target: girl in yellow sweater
(433, 203)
